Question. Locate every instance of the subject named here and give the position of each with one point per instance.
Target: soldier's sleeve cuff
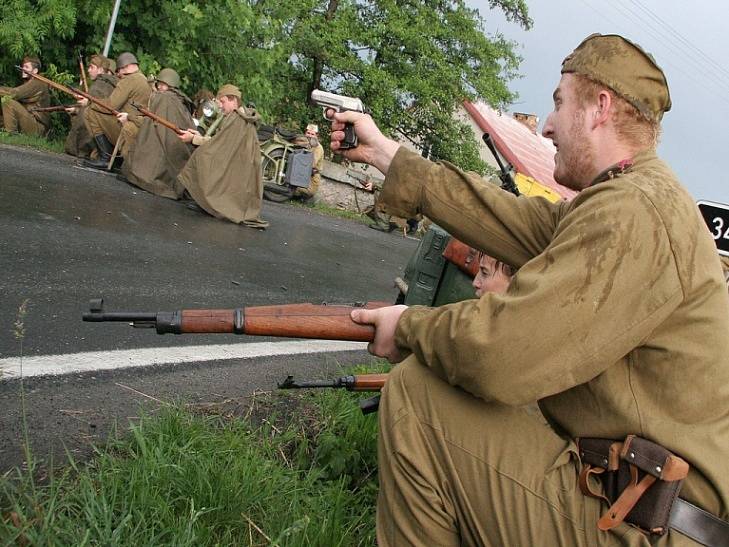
(197, 140)
(404, 326)
(403, 188)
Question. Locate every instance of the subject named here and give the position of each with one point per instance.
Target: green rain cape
(224, 174)
(158, 154)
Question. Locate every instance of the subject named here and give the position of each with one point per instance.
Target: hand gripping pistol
(340, 103)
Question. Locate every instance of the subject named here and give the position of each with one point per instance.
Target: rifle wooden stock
(82, 70)
(157, 119)
(74, 92)
(325, 322)
(369, 382)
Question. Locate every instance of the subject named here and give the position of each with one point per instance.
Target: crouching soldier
(106, 128)
(18, 103)
(223, 175)
(103, 81)
(158, 155)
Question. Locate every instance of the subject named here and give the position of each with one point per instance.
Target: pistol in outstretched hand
(340, 103)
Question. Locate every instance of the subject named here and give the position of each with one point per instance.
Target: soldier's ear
(604, 107)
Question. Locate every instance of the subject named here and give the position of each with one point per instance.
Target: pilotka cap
(625, 68)
(229, 89)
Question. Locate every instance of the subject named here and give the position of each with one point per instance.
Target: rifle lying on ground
(324, 322)
(158, 119)
(359, 382)
(74, 92)
(57, 108)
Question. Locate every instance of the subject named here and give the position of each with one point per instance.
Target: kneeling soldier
(18, 102)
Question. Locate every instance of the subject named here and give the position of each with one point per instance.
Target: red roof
(530, 154)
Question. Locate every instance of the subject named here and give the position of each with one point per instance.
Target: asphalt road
(71, 234)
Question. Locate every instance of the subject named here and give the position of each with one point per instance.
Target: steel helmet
(169, 76)
(125, 59)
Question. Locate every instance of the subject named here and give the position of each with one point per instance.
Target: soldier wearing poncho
(616, 322)
(223, 174)
(18, 102)
(158, 155)
(103, 81)
(106, 128)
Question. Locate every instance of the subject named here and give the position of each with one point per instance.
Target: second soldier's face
(94, 71)
(226, 104)
(567, 128)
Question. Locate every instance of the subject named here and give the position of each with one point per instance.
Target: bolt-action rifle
(57, 108)
(82, 70)
(359, 382)
(324, 321)
(507, 181)
(157, 119)
(73, 91)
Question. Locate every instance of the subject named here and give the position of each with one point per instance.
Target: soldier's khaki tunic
(616, 322)
(16, 102)
(79, 142)
(131, 88)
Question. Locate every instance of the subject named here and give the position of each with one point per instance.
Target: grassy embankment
(278, 470)
(28, 141)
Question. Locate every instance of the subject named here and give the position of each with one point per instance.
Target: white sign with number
(716, 216)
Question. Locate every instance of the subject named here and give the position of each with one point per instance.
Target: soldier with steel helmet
(104, 128)
(615, 323)
(158, 155)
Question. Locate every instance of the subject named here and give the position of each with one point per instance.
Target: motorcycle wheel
(272, 165)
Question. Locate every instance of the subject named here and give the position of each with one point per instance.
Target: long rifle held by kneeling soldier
(73, 91)
(320, 321)
(157, 119)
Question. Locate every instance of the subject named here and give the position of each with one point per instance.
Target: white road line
(68, 363)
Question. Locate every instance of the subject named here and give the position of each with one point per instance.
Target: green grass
(37, 143)
(293, 469)
(333, 211)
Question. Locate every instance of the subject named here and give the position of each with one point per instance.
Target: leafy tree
(413, 62)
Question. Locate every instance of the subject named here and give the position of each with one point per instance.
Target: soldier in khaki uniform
(105, 128)
(312, 137)
(616, 322)
(103, 81)
(17, 103)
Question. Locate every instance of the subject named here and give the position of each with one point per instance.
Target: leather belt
(698, 524)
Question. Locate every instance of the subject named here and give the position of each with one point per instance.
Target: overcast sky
(688, 40)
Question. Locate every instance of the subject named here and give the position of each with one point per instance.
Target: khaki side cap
(624, 67)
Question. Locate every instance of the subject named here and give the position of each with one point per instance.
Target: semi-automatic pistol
(339, 103)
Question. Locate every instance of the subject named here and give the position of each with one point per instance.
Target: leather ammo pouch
(641, 480)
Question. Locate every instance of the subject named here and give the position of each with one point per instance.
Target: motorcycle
(286, 163)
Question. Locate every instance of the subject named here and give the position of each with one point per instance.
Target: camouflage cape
(158, 154)
(78, 141)
(224, 174)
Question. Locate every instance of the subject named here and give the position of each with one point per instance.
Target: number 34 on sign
(716, 216)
